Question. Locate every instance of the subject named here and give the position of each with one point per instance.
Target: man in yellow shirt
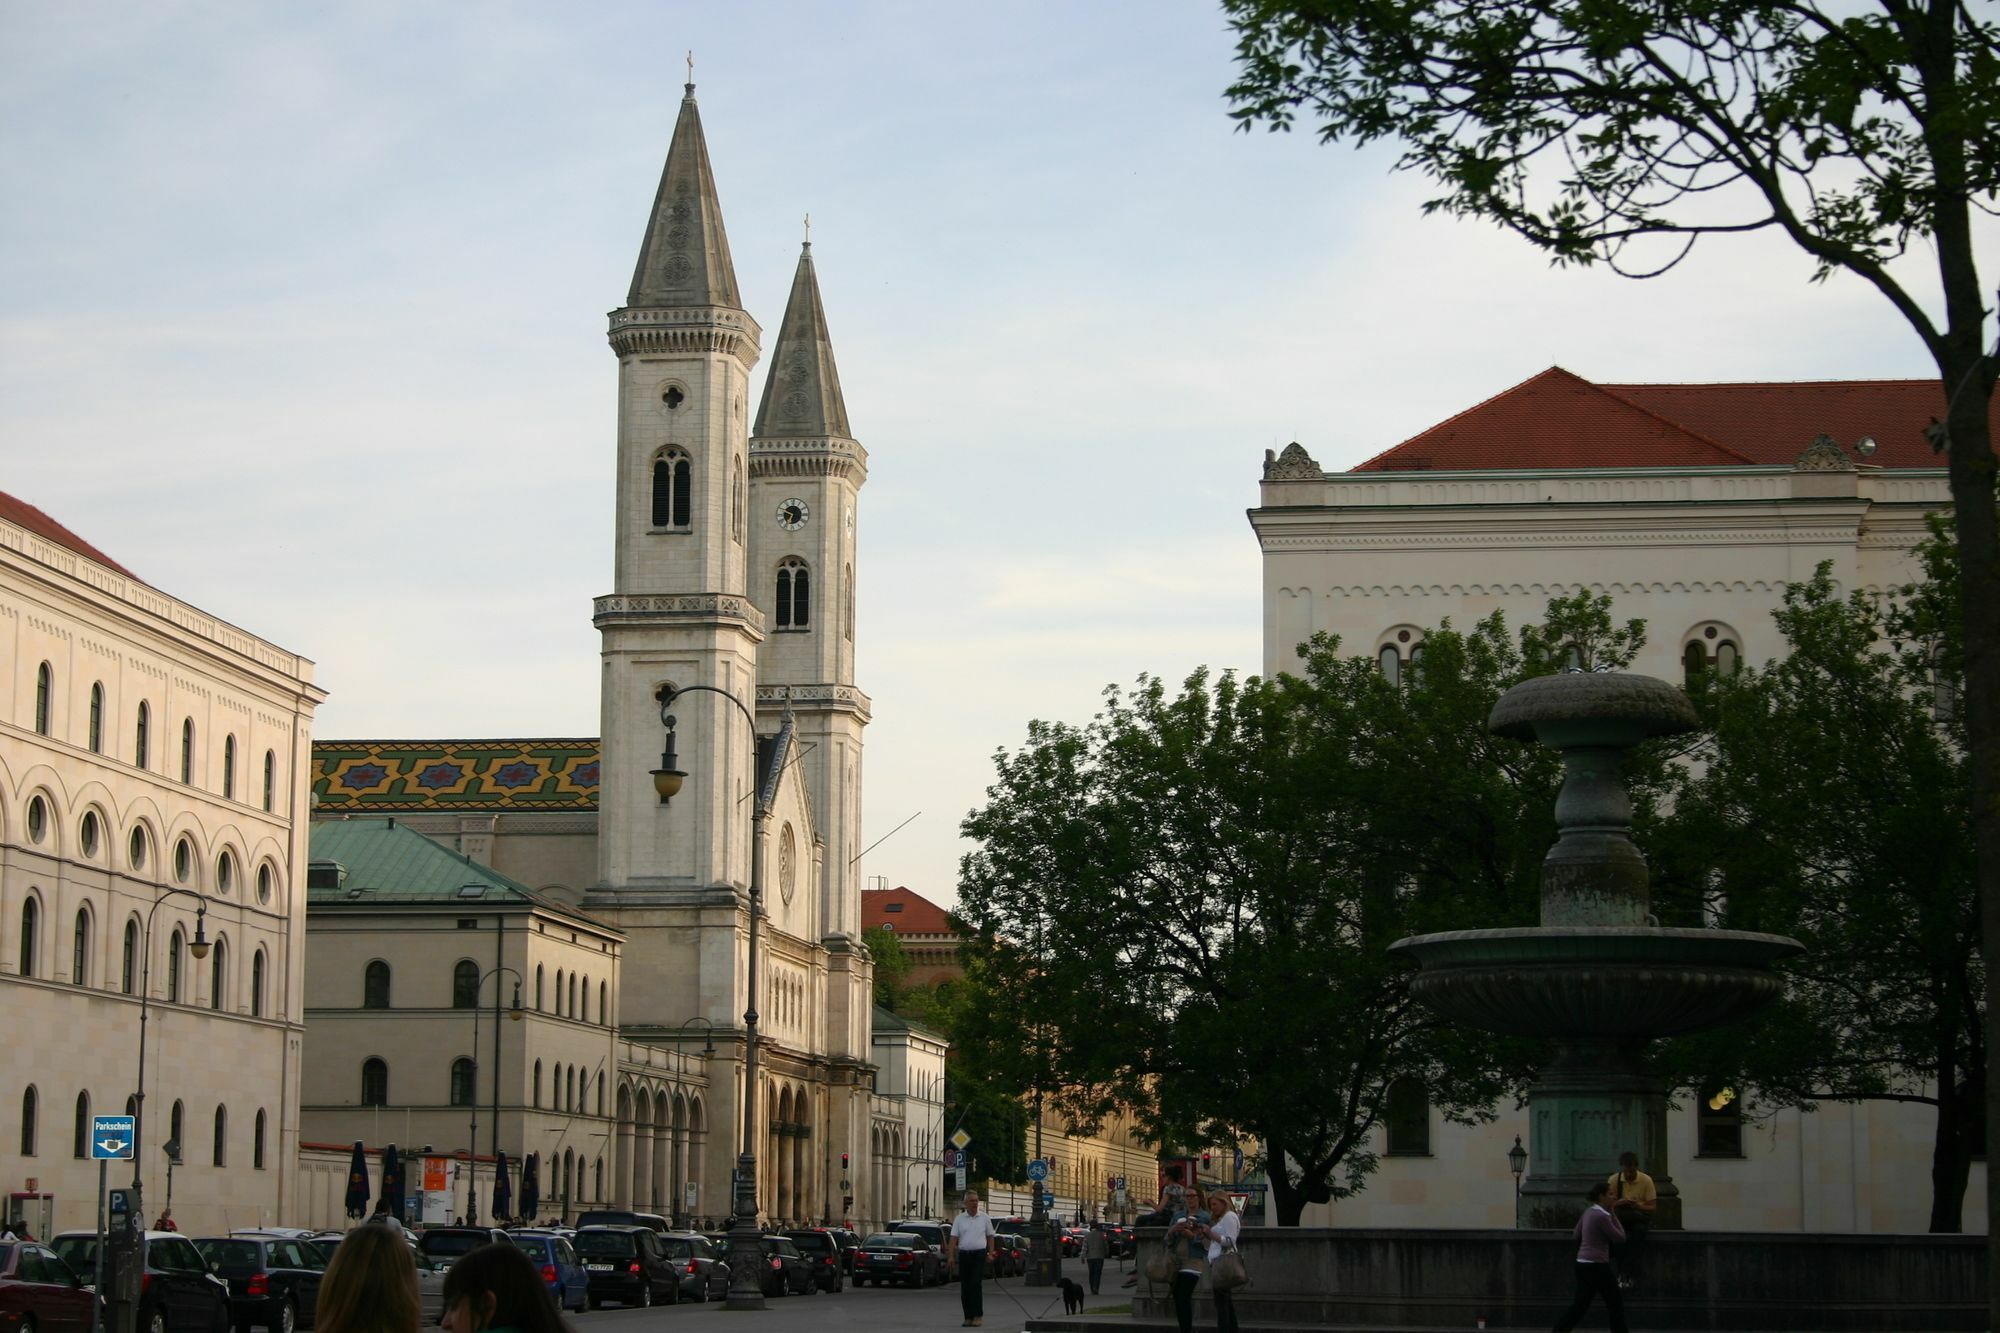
(1635, 1199)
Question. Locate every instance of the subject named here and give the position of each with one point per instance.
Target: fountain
(1596, 977)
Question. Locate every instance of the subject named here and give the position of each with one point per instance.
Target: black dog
(1072, 1296)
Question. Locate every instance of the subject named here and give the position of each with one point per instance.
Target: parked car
(1011, 1254)
(1072, 1241)
(786, 1272)
(1121, 1240)
(822, 1254)
(273, 1281)
(704, 1269)
(934, 1234)
(563, 1272)
(179, 1295)
(627, 1264)
(849, 1243)
(39, 1291)
(607, 1217)
(448, 1243)
(897, 1259)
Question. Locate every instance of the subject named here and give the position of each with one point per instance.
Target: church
(603, 931)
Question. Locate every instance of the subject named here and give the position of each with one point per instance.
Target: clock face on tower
(792, 514)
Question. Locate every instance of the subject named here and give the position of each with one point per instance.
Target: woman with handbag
(1225, 1264)
(1187, 1256)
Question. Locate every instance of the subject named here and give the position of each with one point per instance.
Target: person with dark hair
(370, 1285)
(495, 1288)
(1596, 1232)
(1634, 1200)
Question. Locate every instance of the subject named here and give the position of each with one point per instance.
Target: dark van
(611, 1217)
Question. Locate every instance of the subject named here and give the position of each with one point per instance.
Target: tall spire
(684, 259)
(802, 392)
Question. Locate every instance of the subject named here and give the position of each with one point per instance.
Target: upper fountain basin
(1592, 708)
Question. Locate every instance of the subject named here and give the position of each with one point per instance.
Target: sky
(302, 320)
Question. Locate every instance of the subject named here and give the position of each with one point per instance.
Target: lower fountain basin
(1616, 982)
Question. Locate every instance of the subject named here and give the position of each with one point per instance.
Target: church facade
(733, 593)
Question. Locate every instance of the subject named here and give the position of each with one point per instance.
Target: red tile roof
(905, 911)
(1560, 420)
(34, 520)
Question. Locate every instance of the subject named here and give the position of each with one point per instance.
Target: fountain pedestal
(1596, 977)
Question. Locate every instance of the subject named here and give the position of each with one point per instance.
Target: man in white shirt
(971, 1240)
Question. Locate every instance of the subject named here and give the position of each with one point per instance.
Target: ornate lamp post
(1517, 1161)
(680, 1207)
(746, 1252)
(472, 1154)
(198, 950)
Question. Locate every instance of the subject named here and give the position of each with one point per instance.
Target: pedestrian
(1635, 1198)
(1185, 1241)
(972, 1239)
(497, 1289)
(165, 1221)
(1096, 1248)
(1224, 1230)
(370, 1285)
(1596, 1232)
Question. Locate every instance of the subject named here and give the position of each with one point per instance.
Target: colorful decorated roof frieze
(456, 775)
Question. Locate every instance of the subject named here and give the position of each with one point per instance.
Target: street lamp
(1517, 1160)
(472, 1153)
(916, 1200)
(708, 1038)
(172, 1148)
(746, 1252)
(198, 949)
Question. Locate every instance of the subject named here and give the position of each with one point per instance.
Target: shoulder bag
(1227, 1273)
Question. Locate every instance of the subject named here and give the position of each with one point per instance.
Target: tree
(1594, 128)
(892, 964)
(1834, 807)
(1184, 907)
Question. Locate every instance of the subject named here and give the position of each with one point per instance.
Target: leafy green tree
(1613, 131)
(892, 964)
(1835, 806)
(1184, 907)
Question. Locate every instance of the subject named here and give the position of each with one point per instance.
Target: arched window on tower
(673, 490)
(45, 680)
(736, 501)
(270, 779)
(794, 594)
(462, 1086)
(1391, 661)
(375, 985)
(187, 751)
(465, 985)
(847, 593)
(142, 736)
(229, 768)
(374, 1082)
(97, 718)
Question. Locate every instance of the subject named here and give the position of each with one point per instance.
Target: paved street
(1009, 1305)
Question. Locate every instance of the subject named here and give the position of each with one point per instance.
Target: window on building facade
(31, 1106)
(174, 966)
(31, 920)
(559, 992)
(45, 687)
(128, 959)
(673, 490)
(540, 1008)
(187, 751)
(219, 1154)
(270, 779)
(136, 847)
(257, 984)
(465, 985)
(375, 985)
(38, 819)
(79, 954)
(89, 832)
(225, 873)
(80, 1131)
(794, 594)
(538, 1084)
(97, 718)
(264, 885)
(462, 1082)
(1719, 1123)
(604, 1003)
(142, 735)
(1390, 660)
(174, 1119)
(218, 973)
(374, 1082)
(183, 859)
(1406, 1118)
(228, 768)
(257, 1142)
(736, 507)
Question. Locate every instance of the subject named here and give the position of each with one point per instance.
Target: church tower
(679, 614)
(806, 471)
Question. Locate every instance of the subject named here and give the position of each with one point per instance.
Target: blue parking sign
(111, 1137)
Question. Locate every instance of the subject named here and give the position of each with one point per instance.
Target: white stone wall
(236, 1050)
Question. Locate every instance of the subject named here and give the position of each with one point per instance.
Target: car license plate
(601, 1268)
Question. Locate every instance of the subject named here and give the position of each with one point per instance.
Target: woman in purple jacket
(1596, 1232)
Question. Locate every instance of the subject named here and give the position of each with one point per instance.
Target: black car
(703, 1268)
(897, 1259)
(609, 1217)
(821, 1249)
(786, 1272)
(627, 1264)
(273, 1282)
(849, 1243)
(180, 1294)
(1010, 1254)
(448, 1243)
(935, 1234)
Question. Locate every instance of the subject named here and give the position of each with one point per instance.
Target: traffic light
(1204, 1161)
(843, 1161)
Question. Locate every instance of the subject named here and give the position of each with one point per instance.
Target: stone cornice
(1546, 589)
(679, 607)
(823, 456)
(817, 698)
(1292, 489)
(685, 331)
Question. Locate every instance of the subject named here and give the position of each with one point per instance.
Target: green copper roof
(385, 862)
(888, 1020)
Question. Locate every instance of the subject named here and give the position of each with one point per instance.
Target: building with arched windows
(129, 871)
(734, 539)
(1692, 505)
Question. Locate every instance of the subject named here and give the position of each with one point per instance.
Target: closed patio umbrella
(357, 1182)
(503, 1192)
